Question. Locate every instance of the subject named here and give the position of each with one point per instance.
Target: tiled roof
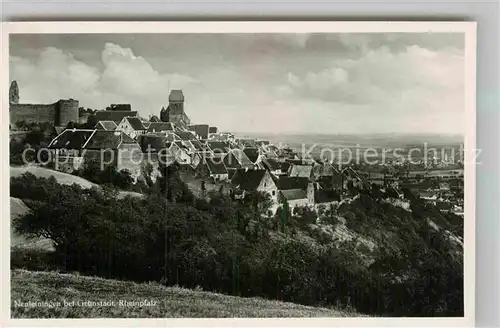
(102, 139)
(288, 183)
(71, 139)
(197, 145)
(160, 127)
(200, 129)
(301, 171)
(325, 169)
(219, 146)
(271, 164)
(236, 159)
(294, 194)
(152, 143)
(176, 95)
(252, 154)
(186, 135)
(215, 166)
(135, 123)
(112, 115)
(106, 125)
(247, 142)
(248, 179)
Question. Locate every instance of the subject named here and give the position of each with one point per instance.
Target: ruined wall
(67, 111)
(58, 114)
(32, 113)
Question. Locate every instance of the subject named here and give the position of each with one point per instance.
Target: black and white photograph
(227, 172)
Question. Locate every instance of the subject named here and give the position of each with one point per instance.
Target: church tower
(14, 93)
(175, 110)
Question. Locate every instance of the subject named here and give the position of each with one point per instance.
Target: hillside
(17, 209)
(61, 177)
(170, 301)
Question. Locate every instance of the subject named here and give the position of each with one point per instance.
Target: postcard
(239, 173)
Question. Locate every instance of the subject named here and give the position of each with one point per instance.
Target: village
(215, 160)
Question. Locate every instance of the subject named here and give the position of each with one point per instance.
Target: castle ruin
(59, 113)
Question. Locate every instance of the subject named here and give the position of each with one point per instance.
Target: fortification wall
(32, 113)
(58, 114)
(68, 112)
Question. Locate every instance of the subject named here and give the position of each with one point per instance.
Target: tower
(14, 93)
(175, 110)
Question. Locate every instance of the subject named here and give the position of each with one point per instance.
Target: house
(289, 183)
(200, 129)
(127, 152)
(119, 107)
(74, 147)
(303, 171)
(160, 127)
(106, 125)
(246, 142)
(67, 149)
(180, 151)
(322, 196)
(219, 148)
(198, 145)
(333, 182)
(294, 197)
(186, 135)
(236, 159)
(245, 180)
(131, 126)
(270, 151)
(216, 169)
(114, 115)
(272, 165)
(254, 156)
(222, 136)
(352, 177)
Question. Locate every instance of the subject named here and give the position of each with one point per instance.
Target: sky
(354, 83)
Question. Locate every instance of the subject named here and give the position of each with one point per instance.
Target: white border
(469, 30)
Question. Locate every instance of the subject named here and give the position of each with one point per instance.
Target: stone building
(174, 113)
(59, 113)
(75, 147)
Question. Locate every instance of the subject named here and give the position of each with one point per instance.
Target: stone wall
(68, 112)
(57, 114)
(32, 113)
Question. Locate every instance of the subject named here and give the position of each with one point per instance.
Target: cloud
(417, 89)
(381, 75)
(340, 82)
(125, 77)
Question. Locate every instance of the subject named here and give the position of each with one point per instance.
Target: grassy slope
(17, 209)
(171, 301)
(61, 177)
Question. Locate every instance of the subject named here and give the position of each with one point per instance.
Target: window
(274, 193)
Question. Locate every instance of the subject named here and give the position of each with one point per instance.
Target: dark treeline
(235, 248)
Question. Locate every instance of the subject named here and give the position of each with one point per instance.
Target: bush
(233, 247)
(32, 259)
